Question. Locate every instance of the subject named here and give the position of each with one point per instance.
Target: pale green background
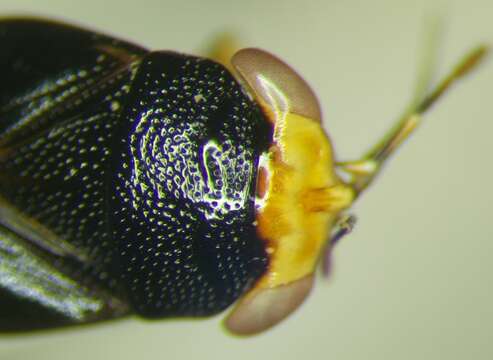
(414, 280)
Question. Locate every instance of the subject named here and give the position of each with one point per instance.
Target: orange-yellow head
(299, 196)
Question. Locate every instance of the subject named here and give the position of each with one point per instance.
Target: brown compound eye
(262, 309)
(275, 84)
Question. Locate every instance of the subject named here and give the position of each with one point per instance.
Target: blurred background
(414, 280)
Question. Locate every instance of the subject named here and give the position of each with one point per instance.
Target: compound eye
(275, 84)
(264, 308)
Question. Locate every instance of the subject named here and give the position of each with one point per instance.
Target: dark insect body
(142, 163)
(162, 184)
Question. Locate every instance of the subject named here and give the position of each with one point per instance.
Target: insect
(165, 185)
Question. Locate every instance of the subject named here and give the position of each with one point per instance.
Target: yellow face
(299, 196)
(302, 198)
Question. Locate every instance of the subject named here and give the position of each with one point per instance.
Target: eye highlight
(275, 84)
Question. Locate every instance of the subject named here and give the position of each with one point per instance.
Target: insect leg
(344, 226)
(222, 49)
